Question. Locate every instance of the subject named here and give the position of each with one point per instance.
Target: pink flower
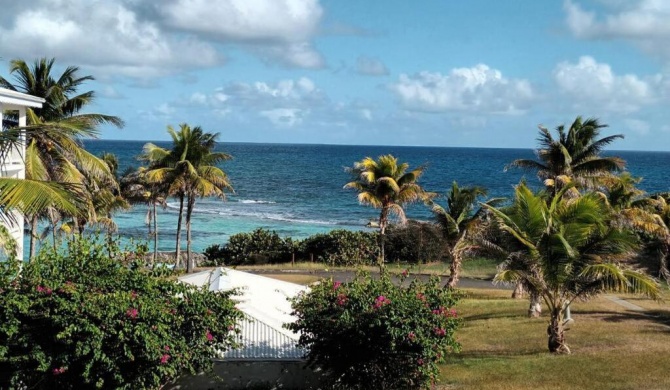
(231, 327)
(421, 297)
(381, 301)
(45, 290)
(419, 362)
(133, 294)
(341, 299)
(209, 336)
(336, 285)
(165, 358)
(132, 312)
(58, 371)
(452, 313)
(411, 336)
(439, 332)
(166, 348)
(405, 273)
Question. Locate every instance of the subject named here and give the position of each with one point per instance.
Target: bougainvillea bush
(372, 333)
(88, 316)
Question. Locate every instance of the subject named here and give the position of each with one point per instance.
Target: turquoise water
(297, 189)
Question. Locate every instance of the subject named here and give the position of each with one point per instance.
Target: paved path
(624, 303)
(346, 276)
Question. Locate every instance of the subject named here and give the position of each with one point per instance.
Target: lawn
(612, 348)
(478, 268)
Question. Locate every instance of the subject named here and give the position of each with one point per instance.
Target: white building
(269, 356)
(12, 163)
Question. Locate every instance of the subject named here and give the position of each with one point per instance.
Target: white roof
(264, 301)
(13, 98)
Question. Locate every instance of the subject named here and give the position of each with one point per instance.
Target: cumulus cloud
(477, 89)
(370, 67)
(144, 39)
(105, 34)
(284, 103)
(279, 29)
(593, 84)
(643, 22)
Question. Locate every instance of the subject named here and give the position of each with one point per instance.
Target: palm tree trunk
(33, 236)
(178, 249)
(455, 267)
(519, 292)
(153, 260)
(189, 212)
(535, 307)
(556, 333)
(383, 221)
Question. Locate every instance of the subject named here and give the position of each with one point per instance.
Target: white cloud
(103, 34)
(593, 84)
(285, 117)
(146, 39)
(370, 67)
(643, 22)
(477, 89)
(281, 30)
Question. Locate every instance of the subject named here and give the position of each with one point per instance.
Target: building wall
(244, 374)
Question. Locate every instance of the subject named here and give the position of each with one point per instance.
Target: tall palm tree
(190, 168)
(137, 190)
(574, 156)
(566, 249)
(386, 185)
(53, 149)
(459, 220)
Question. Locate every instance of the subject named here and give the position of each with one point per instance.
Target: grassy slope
(612, 348)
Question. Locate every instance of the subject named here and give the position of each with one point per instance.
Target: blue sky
(441, 73)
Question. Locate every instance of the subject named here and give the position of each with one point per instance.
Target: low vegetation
(90, 316)
(373, 333)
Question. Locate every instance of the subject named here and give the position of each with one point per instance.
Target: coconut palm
(191, 171)
(566, 250)
(386, 185)
(53, 149)
(574, 156)
(459, 220)
(137, 190)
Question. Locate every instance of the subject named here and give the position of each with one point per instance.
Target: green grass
(479, 268)
(612, 348)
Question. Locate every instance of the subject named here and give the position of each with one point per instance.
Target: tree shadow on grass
(661, 317)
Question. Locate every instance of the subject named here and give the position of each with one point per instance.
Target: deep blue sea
(297, 189)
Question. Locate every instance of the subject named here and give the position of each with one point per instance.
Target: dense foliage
(415, 242)
(342, 247)
(261, 246)
(88, 316)
(373, 333)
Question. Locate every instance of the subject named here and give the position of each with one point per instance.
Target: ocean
(297, 190)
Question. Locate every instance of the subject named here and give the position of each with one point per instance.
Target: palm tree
(566, 250)
(53, 150)
(386, 185)
(190, 168)
(574, 156)
(459, 220)
(137, 190)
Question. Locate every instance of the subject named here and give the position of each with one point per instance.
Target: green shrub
(89, 316)
(375, 334)
(415, 242)
(258, 247)
(342, 247)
